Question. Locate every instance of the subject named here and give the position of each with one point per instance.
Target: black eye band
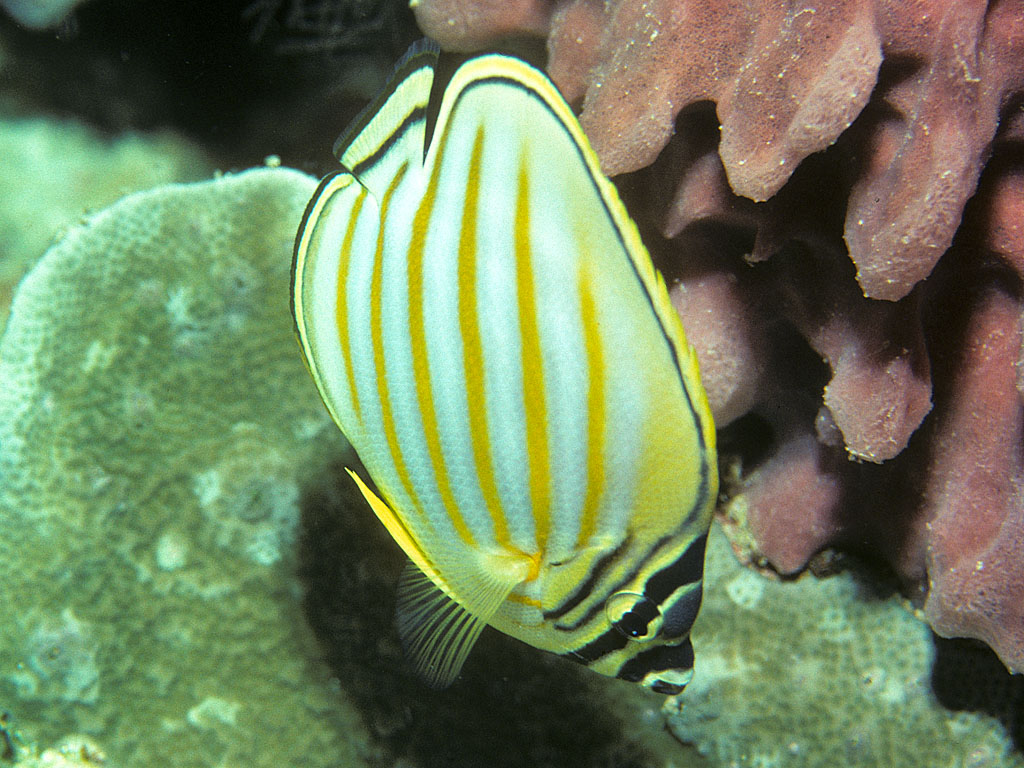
(687, 569)
(679, 615)
(659, 658)
(610, 641)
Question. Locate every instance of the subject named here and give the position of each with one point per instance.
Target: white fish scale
(445, 350)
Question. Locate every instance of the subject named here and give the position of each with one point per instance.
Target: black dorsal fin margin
(423, 53)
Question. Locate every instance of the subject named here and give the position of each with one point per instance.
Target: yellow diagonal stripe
(595, 410)
(472, 347)
(534, 396)
(420, 359)
(377, 342)
(341, 306)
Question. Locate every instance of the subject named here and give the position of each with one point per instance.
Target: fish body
(485, 326)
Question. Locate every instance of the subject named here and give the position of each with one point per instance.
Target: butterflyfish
(485, 326)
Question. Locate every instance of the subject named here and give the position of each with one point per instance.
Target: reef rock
(787, 79)
(55, 171)
(972, 492)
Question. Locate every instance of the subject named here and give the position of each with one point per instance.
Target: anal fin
(393, 523)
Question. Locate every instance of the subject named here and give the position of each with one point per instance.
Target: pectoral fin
(437, 632)
(440, 620)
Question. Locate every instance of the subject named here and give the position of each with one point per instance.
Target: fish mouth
(667, 688)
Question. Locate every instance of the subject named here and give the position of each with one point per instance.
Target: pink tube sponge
(787, 79)
(974, 495)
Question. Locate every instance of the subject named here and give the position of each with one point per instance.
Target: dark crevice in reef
(968, 676)
(229, 75)
(512, 706)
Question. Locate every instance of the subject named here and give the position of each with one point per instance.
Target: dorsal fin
(391, 129)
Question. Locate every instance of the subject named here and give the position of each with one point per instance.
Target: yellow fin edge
(437, 627)
(399, 532)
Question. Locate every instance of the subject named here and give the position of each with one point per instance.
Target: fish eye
(632, 614)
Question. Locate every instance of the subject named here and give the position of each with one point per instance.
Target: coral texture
(868, 662)
(155, 425)
(844, 233)
(56, 171)
(71, 752)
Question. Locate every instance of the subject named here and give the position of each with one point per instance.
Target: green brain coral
(156, 425)
(54, 170)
